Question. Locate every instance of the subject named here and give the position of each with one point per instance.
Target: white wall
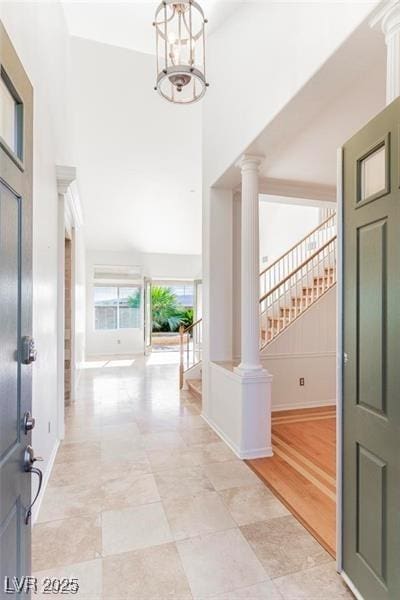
(306, 349)
(139, 157)
(39, 35)
(259, 59)
(156, 266)
(282, 226)
(171, 266)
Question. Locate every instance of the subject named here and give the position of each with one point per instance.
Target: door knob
(29, 460)
(29, 422)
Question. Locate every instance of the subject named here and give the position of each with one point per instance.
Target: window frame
(383, 142)
(117, 287)
(16, 153)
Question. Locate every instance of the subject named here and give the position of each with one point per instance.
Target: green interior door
(371, 380)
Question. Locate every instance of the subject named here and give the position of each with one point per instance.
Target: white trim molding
(339, 363)
(70, 218)
(307, 190)
(46, 477)
(264, 452)
(67, 187)
(351, 586)
(299, 405)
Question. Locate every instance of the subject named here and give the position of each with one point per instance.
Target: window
(117, 307)
(184, 294)
(11, 114)
(373, 173)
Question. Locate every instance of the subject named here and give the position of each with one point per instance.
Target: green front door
(16, 344)
(371, 334)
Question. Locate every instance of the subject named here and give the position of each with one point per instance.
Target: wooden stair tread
(195, 387)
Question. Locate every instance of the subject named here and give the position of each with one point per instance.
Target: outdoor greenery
(167, 313)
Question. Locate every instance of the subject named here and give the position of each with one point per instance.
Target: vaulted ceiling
(139, 158)
(129, 24)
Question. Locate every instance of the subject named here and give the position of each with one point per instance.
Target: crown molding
(381, 13)
(306, 190)
(67, 186)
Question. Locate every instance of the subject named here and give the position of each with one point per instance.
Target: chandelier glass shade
(180, 48)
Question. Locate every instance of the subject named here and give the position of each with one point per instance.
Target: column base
(239, 409)
(251, 370)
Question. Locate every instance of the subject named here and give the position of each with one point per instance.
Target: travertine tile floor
(145, 502)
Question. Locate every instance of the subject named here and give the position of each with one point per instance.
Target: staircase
(298, 290)
(288, 287)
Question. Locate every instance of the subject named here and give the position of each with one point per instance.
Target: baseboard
(249, 454)
(46, 477)
(351, 586)
(297, 355)
(294, 405)
(115, 356)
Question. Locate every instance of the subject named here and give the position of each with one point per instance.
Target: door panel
(371, 258)
(371, 333)
(15, 311)
(10, 317)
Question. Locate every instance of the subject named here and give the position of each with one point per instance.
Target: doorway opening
(173, 306)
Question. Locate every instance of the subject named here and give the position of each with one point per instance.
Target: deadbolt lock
(29, 353)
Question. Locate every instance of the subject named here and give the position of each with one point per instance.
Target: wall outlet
(301, 381)
(49, 427)
(118, 341)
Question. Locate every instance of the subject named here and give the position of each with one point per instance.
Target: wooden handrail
(301, 266)
(189, 327)
(298, 244)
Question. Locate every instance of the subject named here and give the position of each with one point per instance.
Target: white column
(388, 16)
(250, 266)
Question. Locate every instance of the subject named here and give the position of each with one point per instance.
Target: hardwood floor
(302, 472)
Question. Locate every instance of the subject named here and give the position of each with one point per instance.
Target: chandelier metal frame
(180, 49)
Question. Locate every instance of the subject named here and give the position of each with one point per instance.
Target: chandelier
(180, 49)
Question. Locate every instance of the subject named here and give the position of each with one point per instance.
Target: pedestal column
(388, 16)
(250, 266)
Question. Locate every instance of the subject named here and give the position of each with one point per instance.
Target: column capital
(387, 15)
(250, 162)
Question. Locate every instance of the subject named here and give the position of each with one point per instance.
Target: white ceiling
(129, 24)
(300, 144)
(139, 158)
